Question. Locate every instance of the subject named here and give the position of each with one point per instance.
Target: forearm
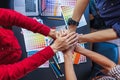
(78, 11)
(69, 69)
(99, 59)
(98, 36)
(10, 18)
(20, 69)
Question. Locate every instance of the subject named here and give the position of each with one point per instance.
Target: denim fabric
(116, 27)
(97, 22)
(109, 10)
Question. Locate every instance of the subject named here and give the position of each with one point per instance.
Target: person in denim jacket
(108, 11)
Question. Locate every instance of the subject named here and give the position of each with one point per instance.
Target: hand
(78, 48)
(68, 53)
(52, 33)
(64, 40)
(81, 38)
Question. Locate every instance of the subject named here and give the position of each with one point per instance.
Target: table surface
(82, 70)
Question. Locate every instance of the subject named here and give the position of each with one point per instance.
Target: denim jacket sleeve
(116, 27)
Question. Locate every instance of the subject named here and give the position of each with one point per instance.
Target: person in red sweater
(10, 52)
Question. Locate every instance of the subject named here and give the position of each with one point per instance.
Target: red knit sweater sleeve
(13, 18)
(20, 69)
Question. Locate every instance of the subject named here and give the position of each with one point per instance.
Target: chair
(107, 49)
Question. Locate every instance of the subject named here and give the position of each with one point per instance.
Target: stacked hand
(64, 40)
(78, 48)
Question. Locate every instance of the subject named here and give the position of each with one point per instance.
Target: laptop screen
(27, 7)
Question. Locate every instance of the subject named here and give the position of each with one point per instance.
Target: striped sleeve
(115, 72)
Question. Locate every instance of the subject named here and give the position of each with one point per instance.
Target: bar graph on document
(52, 8)
(67, 12)
(34, 42)
(79, 58)
(68, 2)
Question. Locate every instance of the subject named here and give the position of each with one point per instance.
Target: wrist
(54, 48)
(52, 33)
(72, 24)
(81, 38)
(72, 28)
(68, 56)
(80, 49)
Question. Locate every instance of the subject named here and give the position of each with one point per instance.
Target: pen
(56, 58)
(53, 70)
(57, 70)
(54, 18)
(56, 62)
(61, 74)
